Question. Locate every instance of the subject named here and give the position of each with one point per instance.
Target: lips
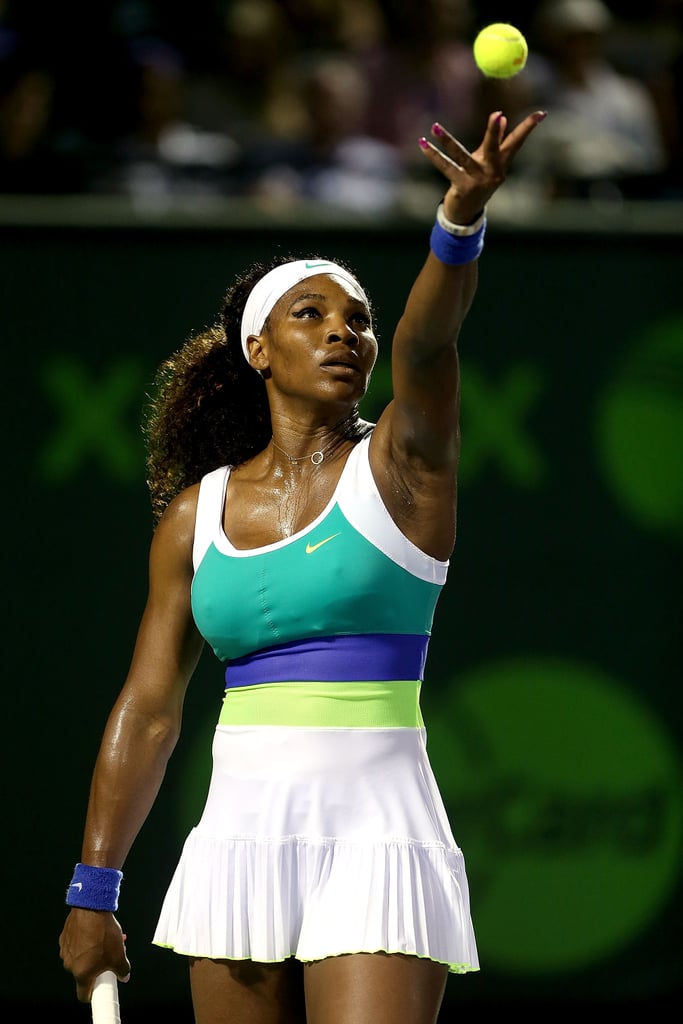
(342, 371)
(341, 362)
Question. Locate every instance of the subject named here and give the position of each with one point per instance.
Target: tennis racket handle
(105, 999)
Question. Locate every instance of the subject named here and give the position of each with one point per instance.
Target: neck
(317, 450)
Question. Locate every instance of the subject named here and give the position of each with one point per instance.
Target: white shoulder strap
(361, 503)
(209, 511)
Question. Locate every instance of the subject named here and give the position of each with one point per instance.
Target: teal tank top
(349, 572)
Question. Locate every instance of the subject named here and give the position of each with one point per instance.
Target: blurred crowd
(285, 100)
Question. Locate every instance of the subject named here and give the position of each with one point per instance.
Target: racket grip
(104, 1002)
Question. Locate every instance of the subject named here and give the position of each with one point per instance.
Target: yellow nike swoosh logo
(310, 548)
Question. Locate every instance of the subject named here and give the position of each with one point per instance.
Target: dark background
(568, 563)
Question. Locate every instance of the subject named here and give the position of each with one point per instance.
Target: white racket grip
(105, 999)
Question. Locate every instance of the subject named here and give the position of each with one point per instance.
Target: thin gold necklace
(316, 457)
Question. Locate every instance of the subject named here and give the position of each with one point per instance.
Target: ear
(257, 352)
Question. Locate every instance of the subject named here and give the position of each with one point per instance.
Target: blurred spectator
(230, 92)
(421, 70)
(34, 157)
(649, 46)
(315, 23)
(674, 119)
(328, 156)
(327, 98)
(604, 135)
(361, 26)
(161, 154)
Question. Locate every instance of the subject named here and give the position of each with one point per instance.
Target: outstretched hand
(474, 177)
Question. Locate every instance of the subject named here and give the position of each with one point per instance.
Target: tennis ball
(500, 51)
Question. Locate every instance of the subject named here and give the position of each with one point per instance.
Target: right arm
(139, 737)
(415, 447)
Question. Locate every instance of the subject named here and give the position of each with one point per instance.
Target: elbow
(140, 731)
(162, 733)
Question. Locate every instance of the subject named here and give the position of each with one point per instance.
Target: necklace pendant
(316, 458)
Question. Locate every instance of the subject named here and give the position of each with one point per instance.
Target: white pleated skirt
(319, 842)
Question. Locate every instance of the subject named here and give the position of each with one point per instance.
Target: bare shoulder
(175, 529)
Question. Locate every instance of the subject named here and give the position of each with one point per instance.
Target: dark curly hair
(208, 407)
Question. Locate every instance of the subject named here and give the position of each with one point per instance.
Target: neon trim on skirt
(316, 842)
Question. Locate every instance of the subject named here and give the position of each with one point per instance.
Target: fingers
(85, 982)
(496, 142)
(448, 167)
(459, 155)
(453, 159)
(496, 145)
(84, 987)
(123, 970)
(518, 136)
(494, 135)
(91, 943)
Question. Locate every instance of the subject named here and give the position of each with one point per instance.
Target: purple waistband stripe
(371, 656)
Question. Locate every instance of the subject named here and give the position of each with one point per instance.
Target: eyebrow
(308, 295)
(323, 298)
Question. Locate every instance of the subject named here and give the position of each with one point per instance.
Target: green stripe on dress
(393, 704)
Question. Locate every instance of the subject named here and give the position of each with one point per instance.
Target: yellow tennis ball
(500, 51)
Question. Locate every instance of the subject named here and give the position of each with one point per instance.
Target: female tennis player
(308, 548)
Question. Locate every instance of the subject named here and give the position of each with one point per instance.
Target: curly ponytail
(208, 407)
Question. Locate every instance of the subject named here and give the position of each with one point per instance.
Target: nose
(340, 329)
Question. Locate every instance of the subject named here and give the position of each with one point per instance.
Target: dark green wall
(552, 696)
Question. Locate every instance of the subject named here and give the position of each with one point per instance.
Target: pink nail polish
(423, 143)
(437, 129)
(499, 116)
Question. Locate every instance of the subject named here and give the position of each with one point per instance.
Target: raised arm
(417, 437)
(139, 737)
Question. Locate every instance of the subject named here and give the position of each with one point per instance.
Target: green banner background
(552, 696)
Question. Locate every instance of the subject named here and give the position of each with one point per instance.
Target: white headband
(273, 286)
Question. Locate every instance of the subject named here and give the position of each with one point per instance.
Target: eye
(307, 311)
(362, 318)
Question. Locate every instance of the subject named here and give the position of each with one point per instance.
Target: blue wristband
(456, 245)
(94, 888)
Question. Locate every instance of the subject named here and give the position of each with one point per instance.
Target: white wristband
(461, 230)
